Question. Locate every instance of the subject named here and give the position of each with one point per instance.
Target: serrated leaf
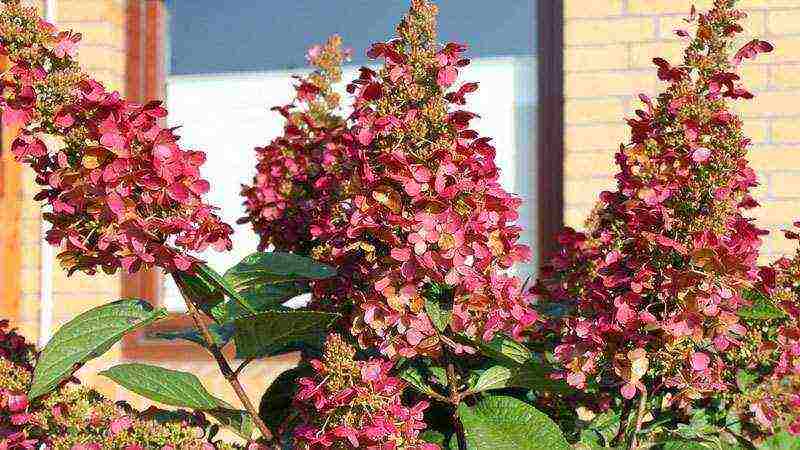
(86, 337)
(529, 375)
(276, 403)
(438, 315)
(264, 297)
(236, 420)
(761, 308)
(500, 423)
(505, 350)
(433, 437)
(274, 332)
(221, 334)
(274, 267)
(170, 387)
(207, 289)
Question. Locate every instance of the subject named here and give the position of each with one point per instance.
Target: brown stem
(226, 370)
(455, 399)
(639, 420)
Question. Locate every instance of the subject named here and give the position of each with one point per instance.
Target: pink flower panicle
(421, 204)
(654, 285)
(294, 202)
(430, 210)
(356, 404)
(121, 192)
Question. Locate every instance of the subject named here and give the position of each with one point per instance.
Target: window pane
(230, 64)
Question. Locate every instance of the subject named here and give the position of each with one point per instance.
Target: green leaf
(222, 334)
(505, 350)
(207, 289)
(684, 445)
(265, 297)
(276, 403)
(761, 308)
(86, 337)
(438, 315)
(744, 379)
(529, 375)
(274, 332)
(781, 441)
(415, 376)
(235, 419)
(500, 423)
(169, 387)
(273, 267)
(433, 437)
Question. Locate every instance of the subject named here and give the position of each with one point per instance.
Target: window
(229, 62)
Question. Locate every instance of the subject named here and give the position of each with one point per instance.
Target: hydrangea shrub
(656, 327)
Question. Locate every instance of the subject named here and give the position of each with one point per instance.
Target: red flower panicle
(422, 207)
(652, 289)
(295, 199)
(121, 192)
(356, 404)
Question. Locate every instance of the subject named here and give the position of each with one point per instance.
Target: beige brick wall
(103, 54)
(609, 48)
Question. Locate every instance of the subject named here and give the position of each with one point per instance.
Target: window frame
(146, 79)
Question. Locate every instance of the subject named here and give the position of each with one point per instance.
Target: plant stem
(226, 370)
(639, 419)
(455, 399)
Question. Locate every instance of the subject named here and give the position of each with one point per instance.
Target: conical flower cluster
(423, 210)
(121, 192)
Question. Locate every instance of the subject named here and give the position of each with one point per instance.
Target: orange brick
(772, 158)
(786, 76)
(755, 77)
(582, 166)
(769, 103)
(784, 22)
(586, 137)
(90, 10)
(594, 31)
(594, 8)
(575, 216)
(785, 185)
(642, 54)
(585, 192)
(607, 57)
(593, 110)
(94, 33)
(606, 84)
(776, 213)
(787, 49)
(785, 130)
(665, 6)
(769, 4)
(756, 130)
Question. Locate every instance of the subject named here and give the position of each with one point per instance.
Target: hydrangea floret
(120, 191)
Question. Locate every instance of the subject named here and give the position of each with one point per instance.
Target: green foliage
(274, 267)
(530, 375)
(761, 308)
(500, 423)
(86, 337)
(276, 403)
(221, 334)
(274, 332)
(169, 387)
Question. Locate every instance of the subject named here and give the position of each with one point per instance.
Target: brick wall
(102, 53)
(609, 48)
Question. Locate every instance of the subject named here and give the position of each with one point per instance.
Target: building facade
(592, 58)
